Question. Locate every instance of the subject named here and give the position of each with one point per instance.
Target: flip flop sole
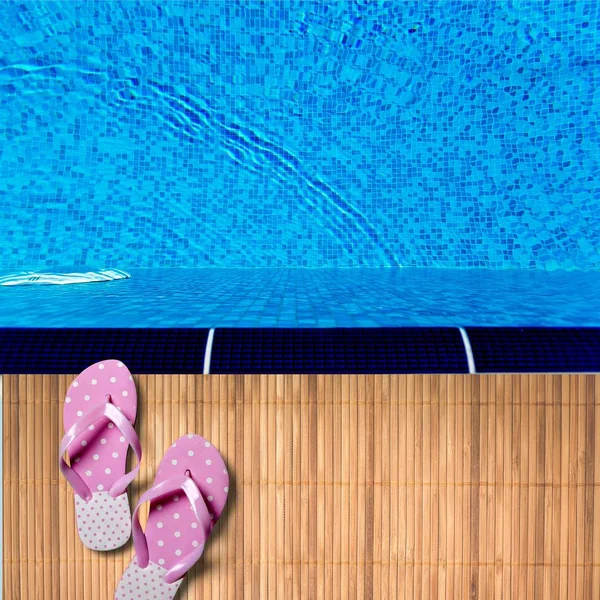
(148, 583)
(103, 523)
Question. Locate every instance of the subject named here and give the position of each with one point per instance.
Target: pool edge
(392, 350)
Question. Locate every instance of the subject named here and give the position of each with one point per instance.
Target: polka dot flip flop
(186, 500)
(99, 413)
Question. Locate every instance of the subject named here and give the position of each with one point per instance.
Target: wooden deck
(342, 487)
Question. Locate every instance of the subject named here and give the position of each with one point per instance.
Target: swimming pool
(275, 164)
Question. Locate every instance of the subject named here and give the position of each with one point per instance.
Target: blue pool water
(382, 297)
(280, 134)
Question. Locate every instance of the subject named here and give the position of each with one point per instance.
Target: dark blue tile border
(72, 350)
(535, 349)
(355, 350)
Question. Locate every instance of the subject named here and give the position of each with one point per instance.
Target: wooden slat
(341, 486)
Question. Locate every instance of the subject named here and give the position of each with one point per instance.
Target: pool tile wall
(271, 351)
(309, 134)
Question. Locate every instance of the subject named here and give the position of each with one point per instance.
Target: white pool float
(55, 278)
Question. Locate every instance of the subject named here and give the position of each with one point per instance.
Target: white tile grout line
(208, 351)
(468, 350)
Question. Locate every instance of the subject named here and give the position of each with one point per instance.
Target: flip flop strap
(161, 490)
(112, 413)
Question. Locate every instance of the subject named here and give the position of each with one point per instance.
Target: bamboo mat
(342, 487)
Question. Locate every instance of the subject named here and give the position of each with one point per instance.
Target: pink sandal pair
(186, 499)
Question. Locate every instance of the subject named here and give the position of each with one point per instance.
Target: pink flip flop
(186, 500)
(99, 413)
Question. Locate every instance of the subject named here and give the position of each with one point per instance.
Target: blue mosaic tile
(257, 350)
(380, 350)
(72, 350)
(535, 349)
(309, 134)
